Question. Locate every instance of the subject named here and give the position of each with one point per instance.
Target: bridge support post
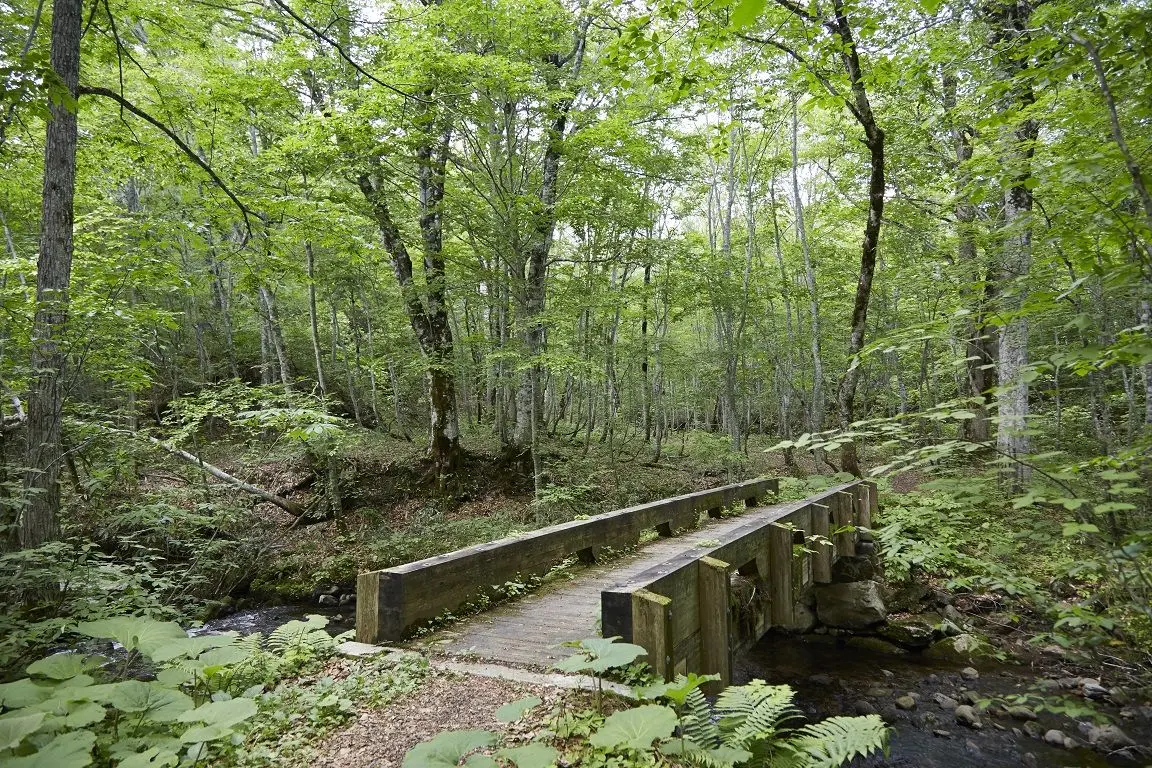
(843, 503)
(822, 560)
(780, 582)
(652, 629)
(713, 588)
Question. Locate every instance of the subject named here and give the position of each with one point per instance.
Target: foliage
(206, 690)
(748, 725)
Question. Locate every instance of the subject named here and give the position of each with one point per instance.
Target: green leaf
(515, 710)
(68, 750)
(191, 646)
(85, 713)
(14, 729)
(531, 755)
(446, 749)
(160, 703)
(134, 632)
(635, 728)
(222, 713)
(198, 734)
(1075, 529)
(677, 690)
(63, 666)
(24, 693)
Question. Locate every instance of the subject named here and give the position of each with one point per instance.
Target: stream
(834, 680)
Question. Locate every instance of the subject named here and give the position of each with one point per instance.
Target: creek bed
(830, 679)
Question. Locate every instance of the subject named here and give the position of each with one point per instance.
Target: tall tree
(43, 453)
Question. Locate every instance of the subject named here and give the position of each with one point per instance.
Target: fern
(754, 713)
(835, 741)
(696, 721)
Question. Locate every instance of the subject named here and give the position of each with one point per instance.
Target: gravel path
(380, 738)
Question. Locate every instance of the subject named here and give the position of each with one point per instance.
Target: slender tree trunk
(313, 321)
(816, 410)
(276, 336)
(43, 452)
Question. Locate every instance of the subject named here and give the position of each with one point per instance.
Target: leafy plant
(596, 656)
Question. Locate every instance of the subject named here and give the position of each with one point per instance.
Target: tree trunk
(1016, 245)
(816, 408)
(313, 322)
(43, 455)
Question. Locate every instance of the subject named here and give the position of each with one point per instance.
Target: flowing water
(831, 679)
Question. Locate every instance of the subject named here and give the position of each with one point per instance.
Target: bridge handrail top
(757, 519)
(567, 526)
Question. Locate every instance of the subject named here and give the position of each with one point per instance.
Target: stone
(359, 650)
(856, 605)
(888, 674)
(327, 600)
(803, 619)
(969, 673)
(1108, 738)
(944, 701)
(1119, 696)
(932, 679)
(866, 548)
(1068, 683)
(864, 707)
(1094, 690)
(348, 598)
(959, 649)
(875, 644)
(941, 734)
(965, 715)
(971, 698)
(1055, 738)
(910, 633)
(952, 614)
(1028, 760)
(878, 692)
(1032, 728)
(907, 596)
(1020, 713)
(820, 679)
(849, 569)
(906, 702)
(1047, 685)
(971, 747)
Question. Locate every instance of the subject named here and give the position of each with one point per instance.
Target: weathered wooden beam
(822, 560)
(713, 614)
(843, 503)
(780, 578)
(652, 629)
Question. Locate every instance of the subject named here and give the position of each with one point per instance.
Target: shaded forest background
(420, 274)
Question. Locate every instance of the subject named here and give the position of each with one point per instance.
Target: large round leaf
(531, 755)
(135, 633)
(68, 750)
(221, 713)
(23, 693)
(635, 728)
(191, 647)
(446, 749)
(14, 728)
(160, 703)
(63, 666)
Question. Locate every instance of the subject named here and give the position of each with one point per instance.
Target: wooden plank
(842, 518)
(822, 561)
(713, 616)
(652, 629)
(367, 607)
(780, 580)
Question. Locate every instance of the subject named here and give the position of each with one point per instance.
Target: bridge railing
(680, 610)
(390, 603)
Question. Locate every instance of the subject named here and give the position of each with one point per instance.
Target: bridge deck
(529, 631)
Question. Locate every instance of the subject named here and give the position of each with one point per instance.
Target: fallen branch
(288, 506)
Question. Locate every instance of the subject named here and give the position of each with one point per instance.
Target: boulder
(906, 702)
(848, 569)
(969, 673)
(803, 619)
(855, 605)
(879, 645)
(1020, 713)
(864, 707)
(945, 701)
(959, 649)
(1109, 738)
(910, 633)
(907, 596)
(328, 600)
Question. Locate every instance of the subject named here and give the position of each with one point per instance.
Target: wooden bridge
(693, 596)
